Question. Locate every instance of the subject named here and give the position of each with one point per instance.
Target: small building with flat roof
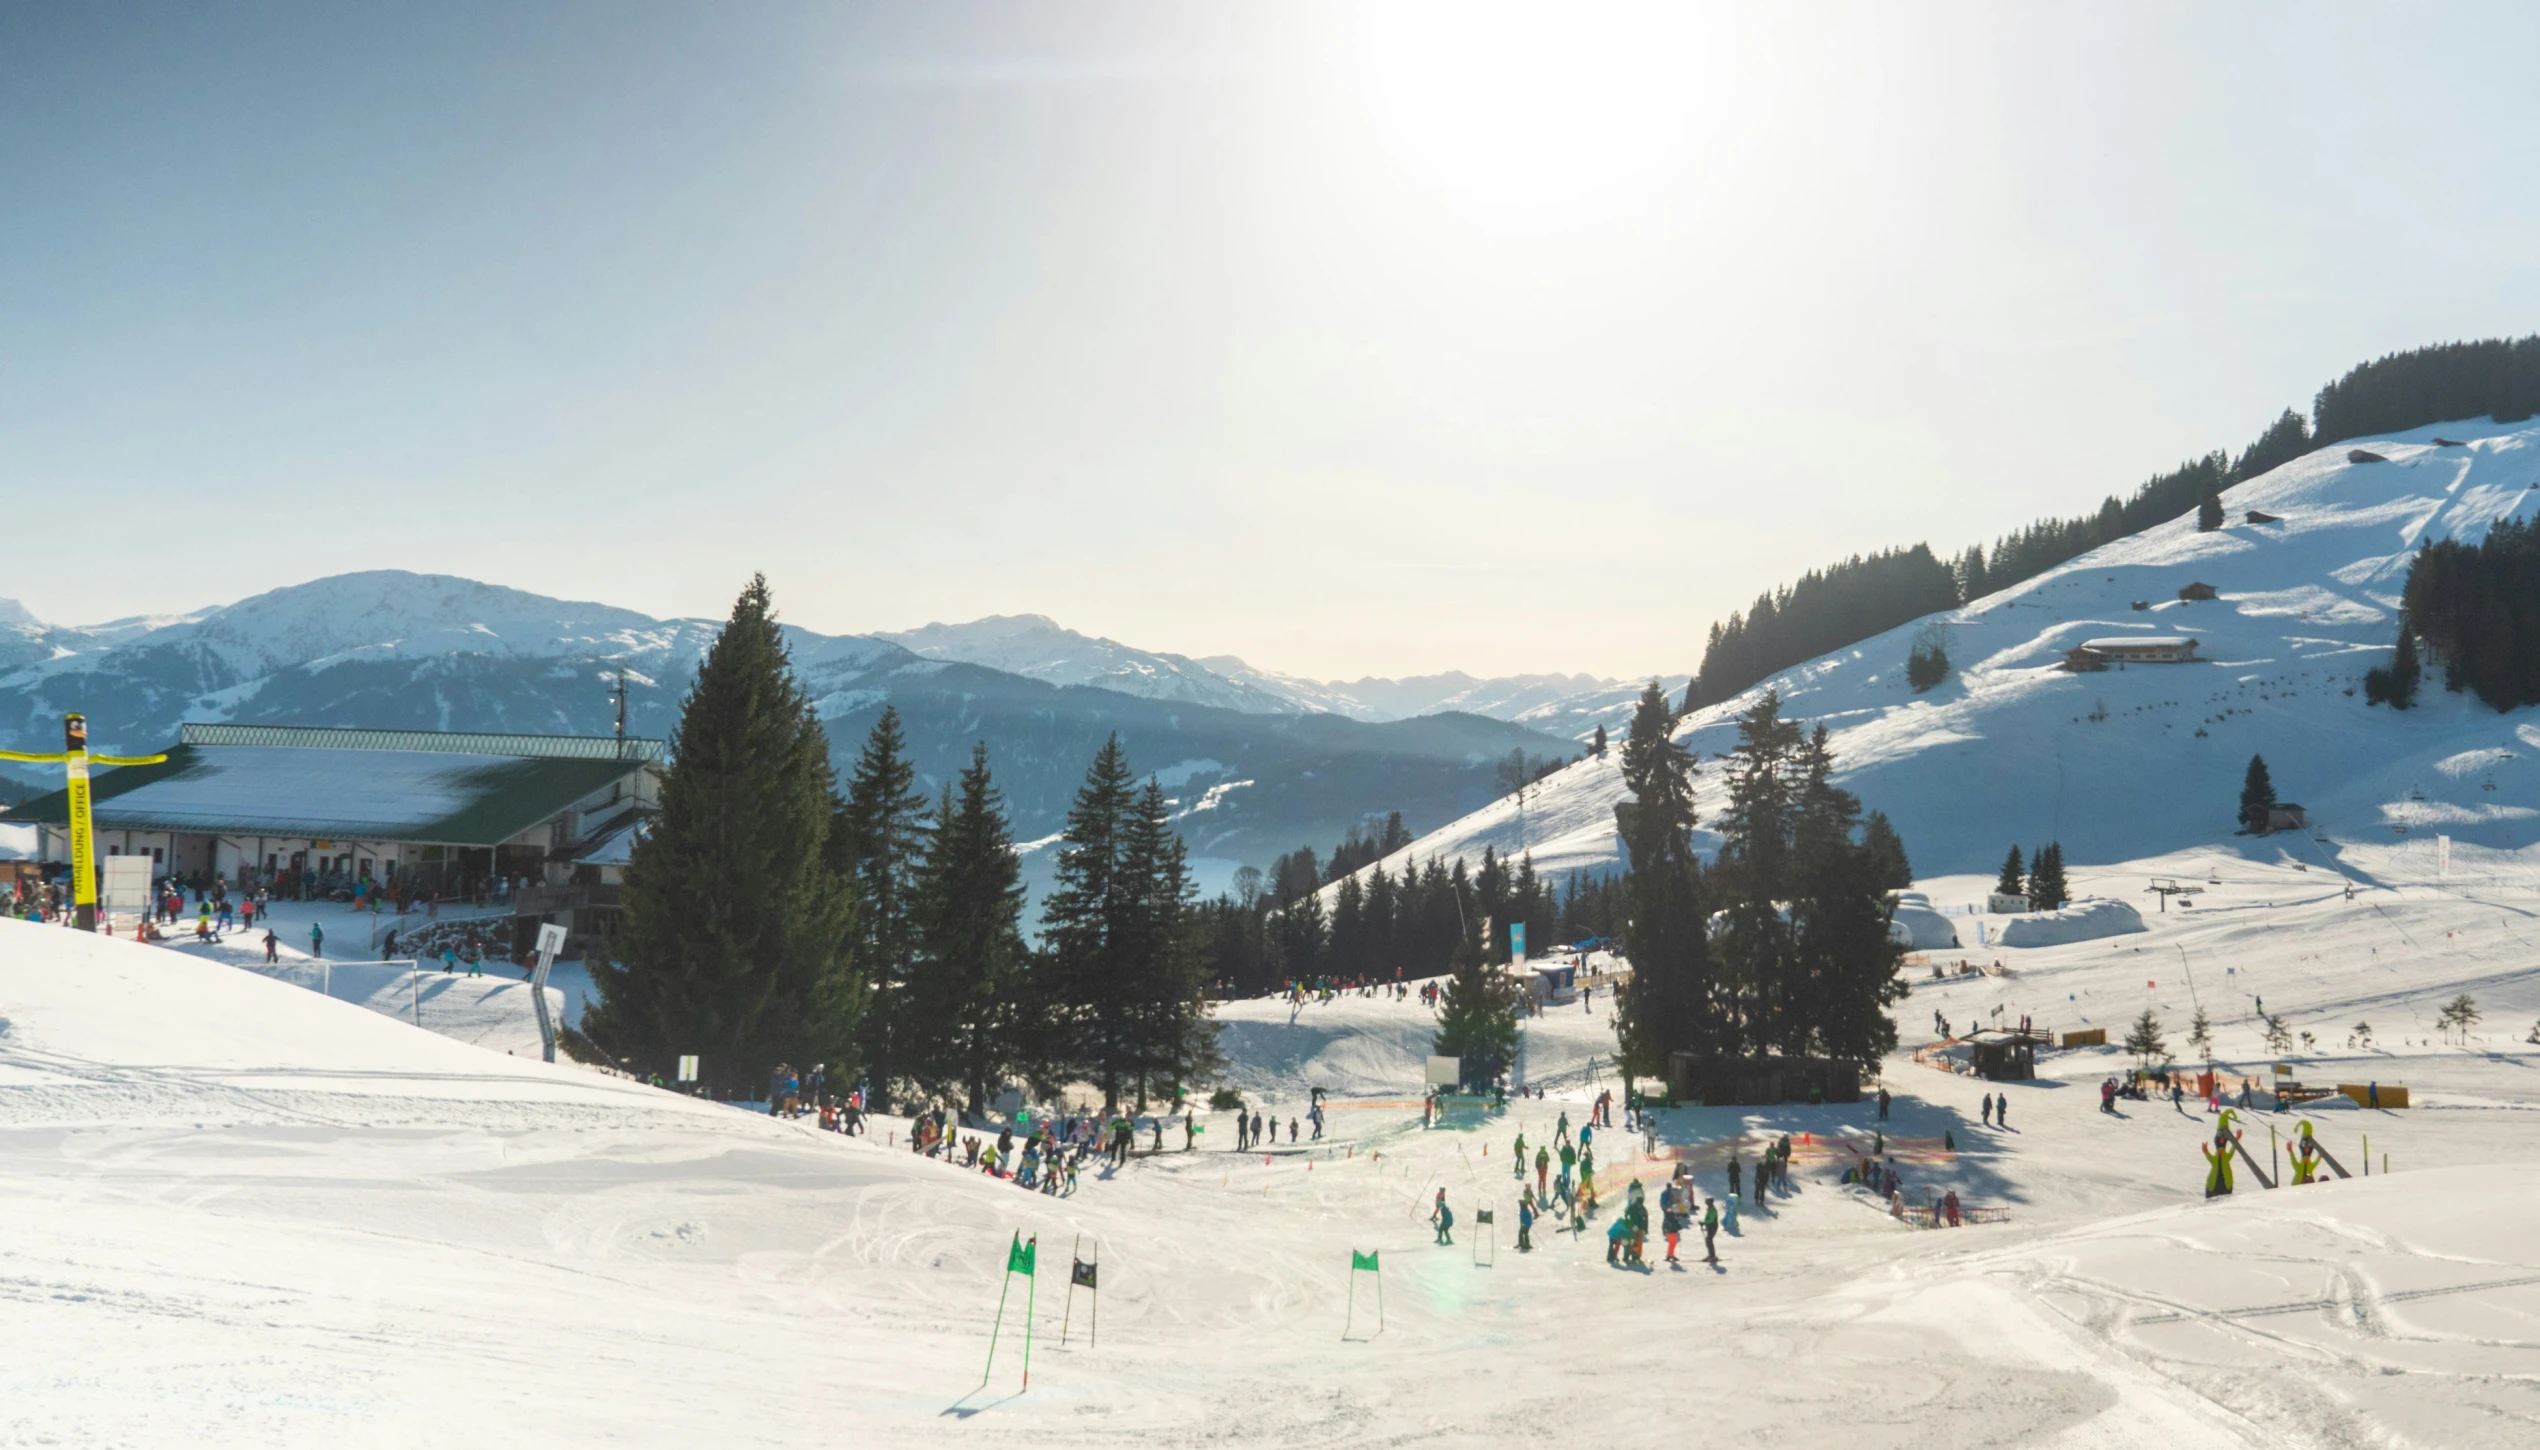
(312, 811)
(2130, 649)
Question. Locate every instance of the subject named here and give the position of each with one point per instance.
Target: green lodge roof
(435, 788)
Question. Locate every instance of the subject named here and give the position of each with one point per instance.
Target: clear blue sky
(1349, 339)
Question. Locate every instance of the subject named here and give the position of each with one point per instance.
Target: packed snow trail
(242, 1213)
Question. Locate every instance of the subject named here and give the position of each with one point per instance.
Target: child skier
(1444, 1218)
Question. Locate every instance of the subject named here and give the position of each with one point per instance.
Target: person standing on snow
(1521, 1157)
(273, 945)
(1526, 1221)
(1444, 1218)
(1711, 1231)
(1543, 1167)
(317, 940)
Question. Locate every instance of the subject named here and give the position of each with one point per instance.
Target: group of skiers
(1570, 1200)
(1251, 1131)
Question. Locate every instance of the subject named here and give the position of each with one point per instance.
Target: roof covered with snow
(432, 790)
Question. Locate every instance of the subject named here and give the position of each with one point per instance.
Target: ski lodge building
(311, 811)
(2133, 649)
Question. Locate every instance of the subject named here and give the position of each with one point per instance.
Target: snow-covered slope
(2141, 760)
(243, 1214)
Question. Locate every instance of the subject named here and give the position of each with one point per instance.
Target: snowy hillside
(2144, 759)
(244, 1214)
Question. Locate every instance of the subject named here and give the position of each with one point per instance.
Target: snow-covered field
(242, 1213)
(2131, 762)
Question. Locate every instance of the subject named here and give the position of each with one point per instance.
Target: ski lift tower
(2165, 888)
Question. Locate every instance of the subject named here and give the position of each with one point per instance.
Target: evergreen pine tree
(1845, 962)
(2395, 684)
(878, 838)
(1887, 853)
(2209, 511)
(1971, 575)
(2046, 888)
(1477, 1018)
(736, 943)
(1349, 928)
(1667, 1008)
(1490, 894)
(2200, 1033)
(1085, 926)
(1172, 1040)
(1751, 947)
(2143, 1039)
(1599, 746)
(2257, 797)
(2009, 883)
(970, 997)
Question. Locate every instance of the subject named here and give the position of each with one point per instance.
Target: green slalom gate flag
(1358, 1261)
(1018, 1259)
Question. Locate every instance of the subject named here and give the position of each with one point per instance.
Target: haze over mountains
(1255, 770)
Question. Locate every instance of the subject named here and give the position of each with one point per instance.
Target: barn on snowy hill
(2197, 591)
(2093, 655)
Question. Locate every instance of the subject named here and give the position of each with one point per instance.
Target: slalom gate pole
(1095, 1336)
(1380, 1297)
(1067, 1313)
(1031, 1292)
(1351, 1308)
(1005, 1288)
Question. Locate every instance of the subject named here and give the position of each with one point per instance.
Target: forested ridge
(1868, 594)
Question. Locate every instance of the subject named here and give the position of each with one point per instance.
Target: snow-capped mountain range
(1256, 775)
(1038, 647)
(2012, 748)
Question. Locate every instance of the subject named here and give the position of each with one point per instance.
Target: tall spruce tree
(1887, 852)
(2257, 796)
(1667, 1008)
(879, 839)
(1086, 929)
(2009, 883)
(2395, 684)
(1751, 877)
(970, 998)
(1172, 1040)
(1477, 1013)
(1845, 963)
(2046, 888)
(737, 940)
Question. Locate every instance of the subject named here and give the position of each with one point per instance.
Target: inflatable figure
(2218, 1157)
(2306, 1161)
